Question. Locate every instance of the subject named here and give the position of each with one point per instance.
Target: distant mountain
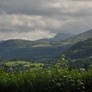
(58, 36)
(61, 39)
(82, 49)
(80, 37)
(18, 43)
(28, 50)
(39, 50)
(62, 36)
(80, 52)
(32, 50)
(56, 41)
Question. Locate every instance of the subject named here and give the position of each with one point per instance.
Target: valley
(47, 65)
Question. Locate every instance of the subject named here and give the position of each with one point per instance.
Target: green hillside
(80, 37)
(16, 43)
(82, 49)
(44, 49)
(39, 50)
(80, 54)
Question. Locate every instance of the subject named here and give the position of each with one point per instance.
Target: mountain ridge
(38, 50)
(82, 49)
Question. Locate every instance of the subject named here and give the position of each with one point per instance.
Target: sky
(38, 19)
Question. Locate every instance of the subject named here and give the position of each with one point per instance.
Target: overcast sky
(37, 19)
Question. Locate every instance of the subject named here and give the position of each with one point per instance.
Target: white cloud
(18, 21)
(31, 35)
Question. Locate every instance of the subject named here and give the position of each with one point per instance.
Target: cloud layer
(37, 19)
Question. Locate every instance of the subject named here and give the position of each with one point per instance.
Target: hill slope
(80, 37)
(28, 50)
(40, 49)
(16, 43)
(82, 49)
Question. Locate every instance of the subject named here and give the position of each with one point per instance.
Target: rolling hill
(41, 50)
(17, 49)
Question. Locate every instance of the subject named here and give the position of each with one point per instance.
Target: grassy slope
(81, 49)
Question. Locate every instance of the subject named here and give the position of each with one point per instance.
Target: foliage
(80, 63)
(56, 79)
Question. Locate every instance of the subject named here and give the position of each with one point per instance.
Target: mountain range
(43, 49)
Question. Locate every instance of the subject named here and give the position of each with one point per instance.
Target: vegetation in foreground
(57, 79)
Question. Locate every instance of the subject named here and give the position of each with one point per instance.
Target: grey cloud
(46, 16)
(14, 6)
(41, 7)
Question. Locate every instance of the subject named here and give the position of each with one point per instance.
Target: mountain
(82, 49)
(32, 50)
(41, 50)
(80, 54)
(16, 43)
(80, 37)
(28, 50)
(61, 39)
(62, 36)
(81, 45)
(56, 41)
(58, 36)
